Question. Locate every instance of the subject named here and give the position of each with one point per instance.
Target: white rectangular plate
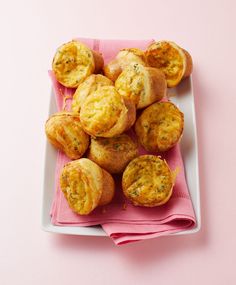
(184, 99)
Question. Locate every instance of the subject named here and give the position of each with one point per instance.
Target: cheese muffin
(64, 131)
(175, 62)
(113, 154)
(106, 113)
(125, 57)
(74, 62)
(90, 85)
(148, 181)
(86, 185)
(160, 126)
(143, 85)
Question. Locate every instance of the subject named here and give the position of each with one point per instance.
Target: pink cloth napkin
(122, 221)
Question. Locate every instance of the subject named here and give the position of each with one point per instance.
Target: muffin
(143, 85)
(175, 62)
(85, 89)
(113, 154)
(147, 181)
(74, 62)
(86, 185)
(125, 57)
(160, 126)
(64, 131)
(106, 113)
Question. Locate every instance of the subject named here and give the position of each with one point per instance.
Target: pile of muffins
(104, 107)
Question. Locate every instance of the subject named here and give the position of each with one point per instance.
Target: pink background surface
(30, 31)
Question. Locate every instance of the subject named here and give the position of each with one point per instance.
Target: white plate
(185, 101)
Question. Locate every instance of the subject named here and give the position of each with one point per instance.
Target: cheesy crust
(160, 126)
(113, 154)
(64, 131)
(86, 88)
(125, 57)
(73, 63)
(167, 56)
(105, 113)
(82, 182)
(131, 55)
(147, 181)
(143, 85)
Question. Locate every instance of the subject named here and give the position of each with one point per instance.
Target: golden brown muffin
(108, 187)
(64, 131)
(148, 181)
(106, 113)
(113, 154)
(90, 85)
(125, 57)
(86, 185)
(74, 62)
(175, 62)
(143, 85)
(160, 126)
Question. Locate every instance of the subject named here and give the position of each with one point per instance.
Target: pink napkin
(122, 221)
